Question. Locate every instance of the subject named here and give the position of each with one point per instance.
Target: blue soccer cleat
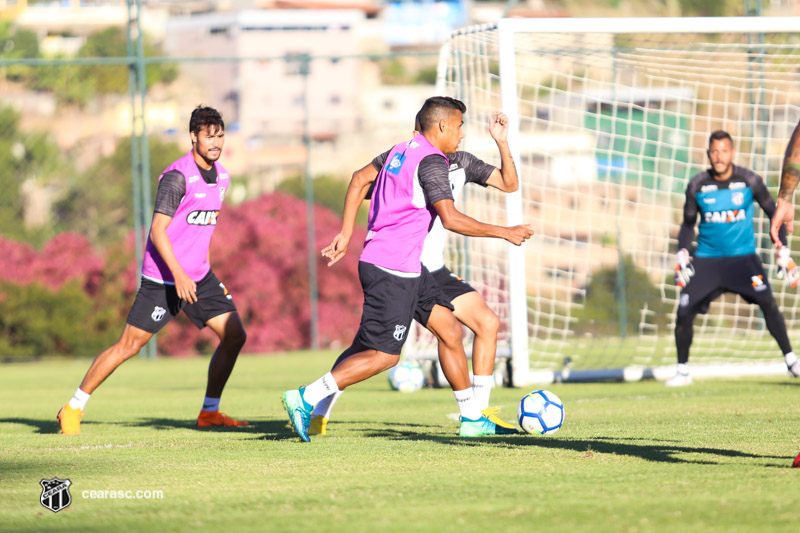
(299, 412)
(482, 427)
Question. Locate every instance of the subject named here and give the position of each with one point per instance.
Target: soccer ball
(407, 376)
(540, 412)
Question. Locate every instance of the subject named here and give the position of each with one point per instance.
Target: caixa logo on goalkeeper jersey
(726, 222)
(725, 216)
(202, 218)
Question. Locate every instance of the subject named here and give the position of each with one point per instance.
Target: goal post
(609, 121)
(517, 300)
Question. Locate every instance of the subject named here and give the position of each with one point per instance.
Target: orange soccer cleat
(208, 419)
(796, 463)
(70, 420)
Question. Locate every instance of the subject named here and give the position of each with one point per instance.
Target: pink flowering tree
(259, 251)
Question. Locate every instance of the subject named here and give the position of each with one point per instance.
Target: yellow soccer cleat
(70, 420)
(209, 419)
(491, 414)
(318, 425)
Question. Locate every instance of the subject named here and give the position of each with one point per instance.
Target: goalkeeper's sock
(322, 388)
(211, 404)
(790, 359)
(482, 385)
(78, 401)
(683, 369)
(467, 406)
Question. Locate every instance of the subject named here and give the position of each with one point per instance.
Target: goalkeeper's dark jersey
(726, 213)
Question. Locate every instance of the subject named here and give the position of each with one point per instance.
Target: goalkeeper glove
(684, 269)
(787, 269)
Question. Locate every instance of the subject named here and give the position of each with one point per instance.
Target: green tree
(11, 208)
(600, 313)
(17, 44)
(29, 326)
(427, 75)
(79, 84)
(393, 71)
(711, 8)
(98, 203)
(112, 42)
(329, 191)
(23, 157)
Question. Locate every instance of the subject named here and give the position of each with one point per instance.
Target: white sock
(482, 385)
(467, 405)
(325, 405)
(322, 388)
(79, 400)
(790, 359)
(211, 404)
(683, 369)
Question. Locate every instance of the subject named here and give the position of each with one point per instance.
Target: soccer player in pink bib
(176, 274)
(468, 306)
(411, 190)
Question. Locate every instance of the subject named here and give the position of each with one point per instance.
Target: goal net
(610, 120)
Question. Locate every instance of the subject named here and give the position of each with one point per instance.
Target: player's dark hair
(205, 116)
(438, 108)
(718, 136)
(417, 126)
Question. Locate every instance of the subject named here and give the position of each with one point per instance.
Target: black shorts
(156, 304)
(743, 275)
(452, 286)
(448, 288)
(390, 303)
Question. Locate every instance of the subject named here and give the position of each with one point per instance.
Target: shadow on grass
(50, 426)
(184, 423)
(267, 429)
(656, 452)
(662, 451)
(368, 424)
(44, 427)
(792, 383)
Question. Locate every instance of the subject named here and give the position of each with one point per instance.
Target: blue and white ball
(540, 412)
(407, 376)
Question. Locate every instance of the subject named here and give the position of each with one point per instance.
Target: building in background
(354, 109)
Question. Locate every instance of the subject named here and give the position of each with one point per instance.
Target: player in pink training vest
(784, 213)
(411, 189)
(468, 305)
(176, 274)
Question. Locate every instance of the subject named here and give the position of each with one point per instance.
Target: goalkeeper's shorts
(743, 275)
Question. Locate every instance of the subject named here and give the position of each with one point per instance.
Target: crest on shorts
(225, 291)
(158, 313)
(399, 332)
(55, 494)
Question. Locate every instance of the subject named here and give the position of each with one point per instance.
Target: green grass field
(630, 457)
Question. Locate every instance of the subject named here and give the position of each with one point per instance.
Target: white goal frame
(518, 350)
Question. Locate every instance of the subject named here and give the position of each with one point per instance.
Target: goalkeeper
(725, 259)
